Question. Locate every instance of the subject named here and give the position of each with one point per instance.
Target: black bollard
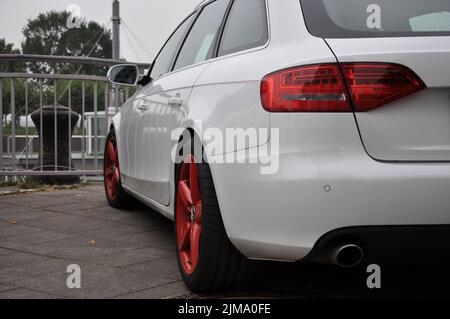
(47, 154)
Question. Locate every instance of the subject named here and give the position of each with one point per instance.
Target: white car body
(336, 170)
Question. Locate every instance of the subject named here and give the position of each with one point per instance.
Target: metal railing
(21, 148)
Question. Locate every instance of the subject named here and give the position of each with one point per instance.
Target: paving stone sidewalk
(131, 254)
(122, 254)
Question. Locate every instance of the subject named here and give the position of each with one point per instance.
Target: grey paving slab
(5, 251)
(161, 237)
(67, 223)
(135, 256)
(4, 287)
(96, 282)
(79, 204)
(21, 293)
(36, 201)
(80, 248)
(165, 267)
(21, 213)
(11, 230)
(19, 258)
(12, 273)
(31, 239)
(172, 290)
(4, 204)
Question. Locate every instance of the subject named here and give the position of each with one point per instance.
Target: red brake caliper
(189, 214)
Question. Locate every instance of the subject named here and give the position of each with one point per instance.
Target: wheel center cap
(192, 214)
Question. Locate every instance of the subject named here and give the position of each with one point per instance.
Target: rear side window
(377, 18)
(246, 27)
(199, 44)
(164, 60)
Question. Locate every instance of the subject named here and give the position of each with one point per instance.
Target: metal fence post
(1, 125)
(13, 122)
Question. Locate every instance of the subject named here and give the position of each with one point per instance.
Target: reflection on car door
(166, 103)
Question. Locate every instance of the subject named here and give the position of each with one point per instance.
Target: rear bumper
(320, 188)
(391, 244)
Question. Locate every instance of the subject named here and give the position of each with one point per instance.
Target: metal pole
(13, 122)
(27, 144)
(116, 43)
(1, 125)
(41, 126)
(83, 129)
(69, 93)
(56, 124)
(95, 125)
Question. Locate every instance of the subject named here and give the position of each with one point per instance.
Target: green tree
(9, 67)
(49, 34)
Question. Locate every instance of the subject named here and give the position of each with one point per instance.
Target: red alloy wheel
(112, 170)
(189, 214)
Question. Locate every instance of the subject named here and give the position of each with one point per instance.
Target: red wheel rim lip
(111, 170)
(189, 215)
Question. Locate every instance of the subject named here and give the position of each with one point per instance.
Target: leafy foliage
(48, 34)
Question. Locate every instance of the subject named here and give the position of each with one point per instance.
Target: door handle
(142, 107)
(175, 101)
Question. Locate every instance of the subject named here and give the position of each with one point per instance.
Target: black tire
(220, 267)
(122, 200)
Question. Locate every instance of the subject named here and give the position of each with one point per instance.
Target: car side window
(164, 60)
(245, 28)
(199, 44)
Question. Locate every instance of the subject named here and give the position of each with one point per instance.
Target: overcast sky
(151, 20)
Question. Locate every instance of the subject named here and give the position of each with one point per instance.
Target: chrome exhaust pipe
(343, 255)
(347, 255)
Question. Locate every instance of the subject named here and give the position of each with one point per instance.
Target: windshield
(377, 18)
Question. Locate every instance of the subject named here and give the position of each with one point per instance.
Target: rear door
(411, 33)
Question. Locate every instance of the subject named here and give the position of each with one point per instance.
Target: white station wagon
(341, 149)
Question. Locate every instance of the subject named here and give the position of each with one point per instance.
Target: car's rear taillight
(312, 88)
(374, 84)
(322, 88)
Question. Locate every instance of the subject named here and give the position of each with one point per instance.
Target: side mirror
(123, 74)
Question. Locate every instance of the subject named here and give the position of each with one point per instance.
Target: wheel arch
(195, 132)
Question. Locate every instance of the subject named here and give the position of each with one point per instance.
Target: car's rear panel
(415, 127)
(410, 39)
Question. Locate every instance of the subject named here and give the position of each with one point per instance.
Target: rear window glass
(377, 18)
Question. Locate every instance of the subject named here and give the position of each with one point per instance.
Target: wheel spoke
(193, 182)
(109, 171)
(117, 175)
(195, 242)
(185, 195)
(113, 185)
(198, 213)
(185, 237)
(113, 189)
(112, 152)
